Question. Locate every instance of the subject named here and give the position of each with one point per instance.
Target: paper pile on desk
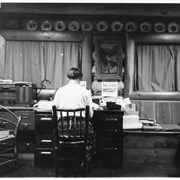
(44, 105)
(131, 122)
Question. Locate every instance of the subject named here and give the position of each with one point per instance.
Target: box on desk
(17, 94)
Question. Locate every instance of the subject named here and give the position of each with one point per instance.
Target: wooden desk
(151, 147)
(44, 148)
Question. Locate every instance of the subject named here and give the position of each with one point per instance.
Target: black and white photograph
(90, 89)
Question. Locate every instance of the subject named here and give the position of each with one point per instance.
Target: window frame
(53, 36)
(146, 39)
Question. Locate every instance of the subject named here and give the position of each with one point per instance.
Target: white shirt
(73, 96)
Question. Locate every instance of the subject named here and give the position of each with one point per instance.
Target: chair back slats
(73, 147)
(71, 123)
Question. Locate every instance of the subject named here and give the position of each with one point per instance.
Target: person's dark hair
(74, 73)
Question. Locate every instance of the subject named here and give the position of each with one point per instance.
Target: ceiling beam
(110, 9)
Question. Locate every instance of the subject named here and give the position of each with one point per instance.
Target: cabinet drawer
(44, 158)
(44, 141)
(26, 141)
(25, 147)
(111, 133)
(27, 120)
(110, 143)
(112, 122)
(111, 155)
(44, 122)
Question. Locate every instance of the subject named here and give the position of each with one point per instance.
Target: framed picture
(110, 88)
(109, 57)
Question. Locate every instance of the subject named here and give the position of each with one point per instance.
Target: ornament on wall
(130, 27)
(74, 26)
(159, 27)
(31, 25)
(173, 27)
(145, 27)
(46, 26)
(102, 26)
(117, 26)
(59, 26)
(87, 26)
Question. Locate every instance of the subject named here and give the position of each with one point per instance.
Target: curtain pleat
(37, 61)
(155, 68)
(158, 69)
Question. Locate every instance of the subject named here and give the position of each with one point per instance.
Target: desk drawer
(110, 143)
(44, 158)
(111, 122)
(26, 141)
(27, 120)
(44, 122)
(111, 133)
(44, 141)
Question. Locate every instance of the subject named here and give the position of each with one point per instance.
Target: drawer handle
(111, 148)
(112, 130)
(111, 119)
(3, 124)
(27, 145)
(25, 125)
(46, 141)
(45, 119)
(45, 152)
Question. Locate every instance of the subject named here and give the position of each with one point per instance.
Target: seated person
(73, 96)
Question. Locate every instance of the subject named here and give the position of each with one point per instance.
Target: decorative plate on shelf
(46, 26)
(145, 27)
(159, 27)
(117, 26)
(87, 26)
(173, 27)
(74, 26)
(102, 26)
(31, 25)
(59, 25)
(131, 27)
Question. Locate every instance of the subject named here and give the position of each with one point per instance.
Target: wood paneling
(129, 9)
(151, 148)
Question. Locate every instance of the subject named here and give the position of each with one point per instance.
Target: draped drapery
(156, 68)
(35, 61)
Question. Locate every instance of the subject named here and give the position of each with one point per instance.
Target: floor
(27, 169)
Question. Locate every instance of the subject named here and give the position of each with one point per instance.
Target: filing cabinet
(108, 125)
(44, 151)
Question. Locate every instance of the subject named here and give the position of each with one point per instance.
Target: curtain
(58, 58)
(36, 61)
(157, 68)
